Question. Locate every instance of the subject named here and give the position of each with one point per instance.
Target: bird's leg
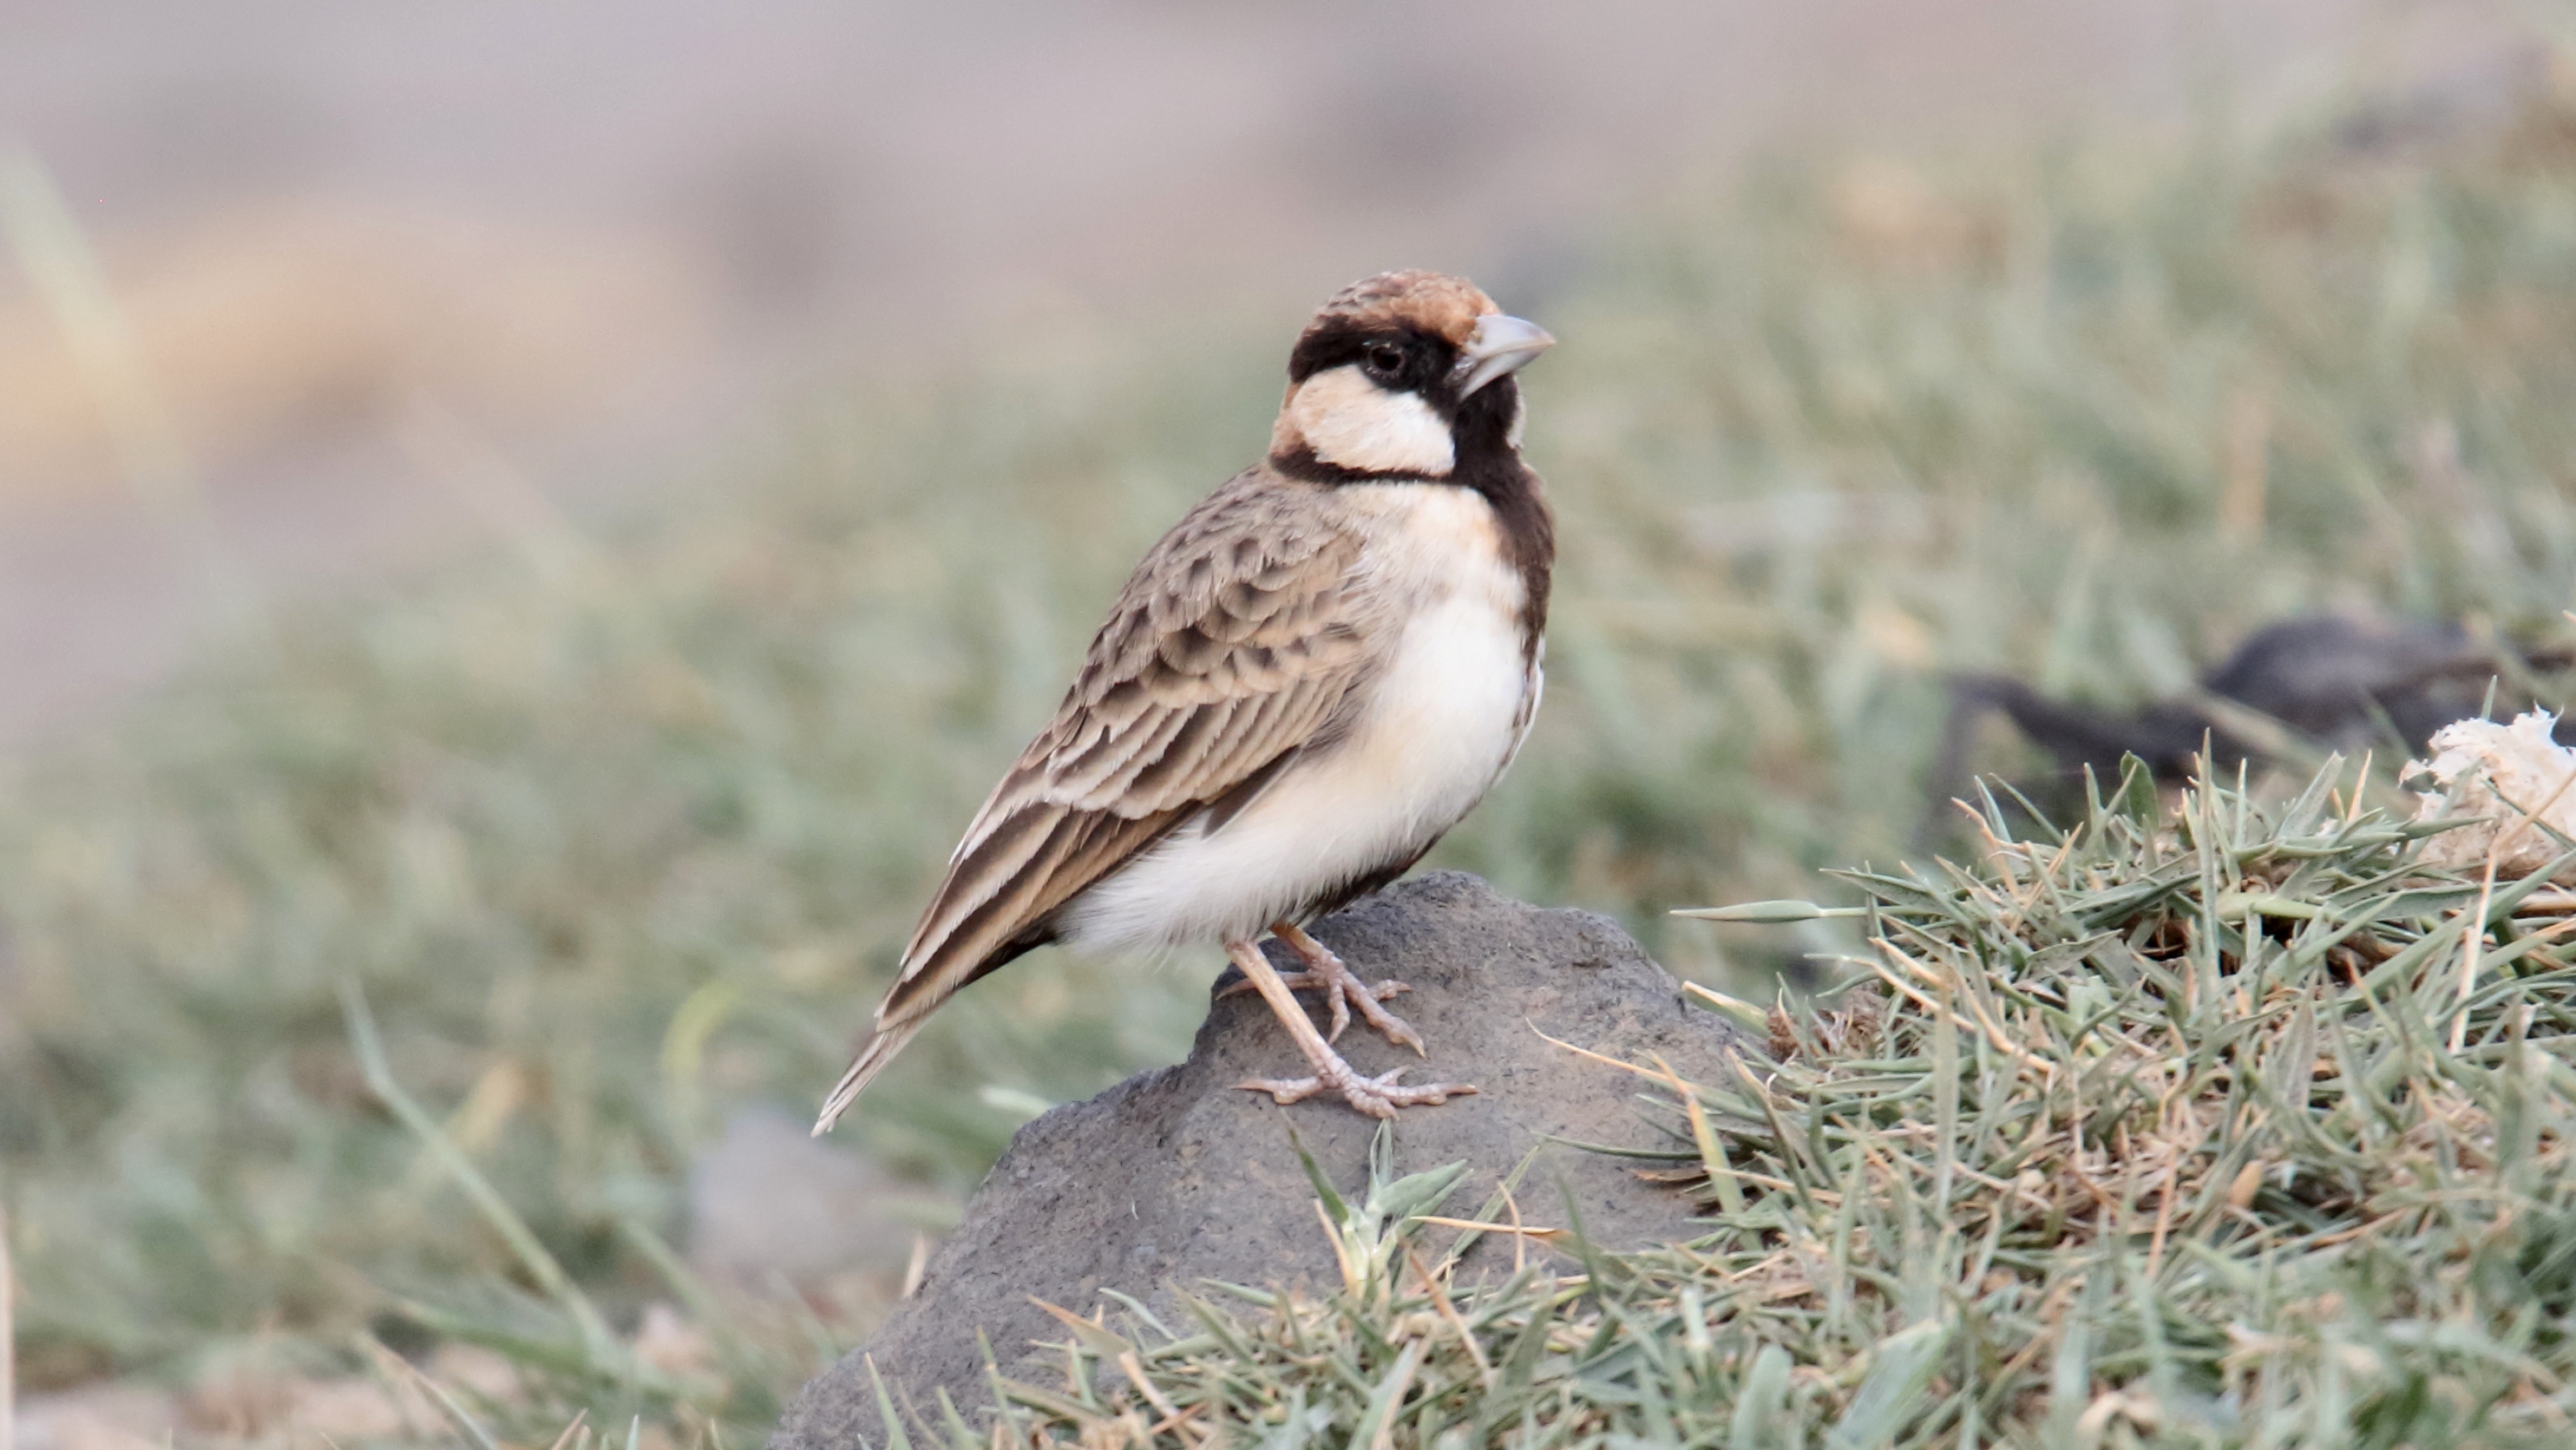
(1345, 990)
(1342, 990)
(1378, 1096)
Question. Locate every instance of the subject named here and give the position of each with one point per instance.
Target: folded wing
(1233, 646)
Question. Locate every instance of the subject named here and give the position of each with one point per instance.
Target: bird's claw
(1343, 990)
(1310, 982)
(1377, 1096)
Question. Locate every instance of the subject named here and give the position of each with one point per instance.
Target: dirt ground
(365, 262)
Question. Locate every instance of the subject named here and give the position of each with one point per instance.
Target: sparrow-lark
(1305, 684)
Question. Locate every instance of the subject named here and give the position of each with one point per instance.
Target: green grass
(620, 832)
(2143, 1136)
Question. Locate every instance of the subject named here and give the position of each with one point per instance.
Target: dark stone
(1176, 1175)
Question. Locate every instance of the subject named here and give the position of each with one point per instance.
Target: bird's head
(1403, 375)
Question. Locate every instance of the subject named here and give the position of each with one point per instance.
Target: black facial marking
(1401, 359)
(1479, 428)
(1482, 422)
(1489, 464)
(1407, 360)
(1410, 360)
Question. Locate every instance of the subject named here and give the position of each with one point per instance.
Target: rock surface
(1176, 1175)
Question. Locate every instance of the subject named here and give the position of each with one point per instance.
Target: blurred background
(540, 521)
(605, 242)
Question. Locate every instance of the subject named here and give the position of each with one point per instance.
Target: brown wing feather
(1233, 644)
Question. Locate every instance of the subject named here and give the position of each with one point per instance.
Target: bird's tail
(879, 1050)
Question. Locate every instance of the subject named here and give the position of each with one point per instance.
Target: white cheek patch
(1354, 423)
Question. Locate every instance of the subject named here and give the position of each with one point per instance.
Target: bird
(1304, 685)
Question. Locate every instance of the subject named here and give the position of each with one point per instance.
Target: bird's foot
(1377, 1096)
(1343, 991)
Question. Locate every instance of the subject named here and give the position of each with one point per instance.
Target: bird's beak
(1497, 348)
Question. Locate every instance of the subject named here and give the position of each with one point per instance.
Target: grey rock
(1176, 1175)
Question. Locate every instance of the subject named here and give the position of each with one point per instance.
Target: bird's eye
(1385, 360)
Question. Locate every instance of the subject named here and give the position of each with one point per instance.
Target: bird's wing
(1231, 647)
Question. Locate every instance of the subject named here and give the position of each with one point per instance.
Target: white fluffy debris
(2514, 780)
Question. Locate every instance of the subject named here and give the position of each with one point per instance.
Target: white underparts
(1352, 422)
(1441, 718)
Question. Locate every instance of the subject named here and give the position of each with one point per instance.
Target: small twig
(2164, 1219)
(1595, 1056)
(1449, 1311)
(2546, 901)
(917, 1266)
(2473, 936)
(1765, 1180)
(1491, 1228)
(2356, 1231)
(1176, 1423)
(1712, 1154)
(1333, 1238)
(1520, 1245)
(1134, 1368)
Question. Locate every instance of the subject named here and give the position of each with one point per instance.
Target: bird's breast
(1423, 736)
(1435, 723)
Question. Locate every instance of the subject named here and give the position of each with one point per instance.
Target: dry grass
(2142, 1136)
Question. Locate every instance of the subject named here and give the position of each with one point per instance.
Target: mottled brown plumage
(1234, 643)
(1249, 649)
